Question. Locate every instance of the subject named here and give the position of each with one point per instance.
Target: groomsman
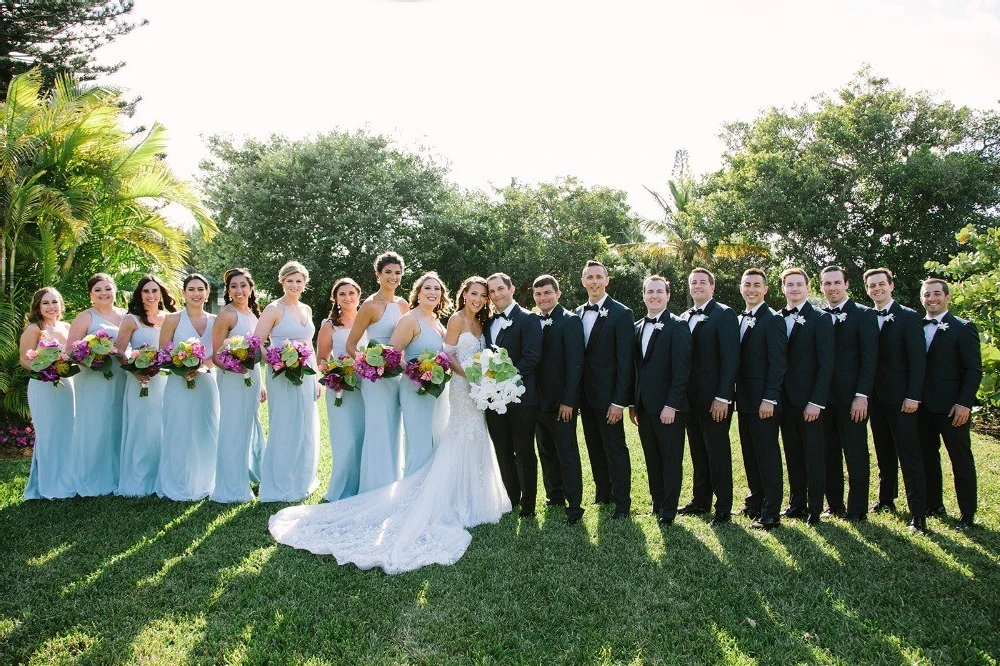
(763, 351)
(845, 426)
(608, 339)
(715, 333)
(954, 371)
(518, 331)
(662, 366)
(558, 381)
(804, 396)
(899, 385)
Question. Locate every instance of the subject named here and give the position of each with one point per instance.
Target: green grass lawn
(110, 580)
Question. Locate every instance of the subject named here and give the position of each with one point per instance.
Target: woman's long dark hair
(252, 300)
(483, 316)
(35, 312)
(136, 306)
(336, 314)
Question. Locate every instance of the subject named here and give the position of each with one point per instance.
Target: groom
(519, 332)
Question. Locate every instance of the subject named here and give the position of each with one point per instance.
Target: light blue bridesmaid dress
(288, 472)
(190, 426)
(240, 434)
(52, 409)
(97, 433)
(418, 410)
(142, 424)
(380, 463)
(346, 429)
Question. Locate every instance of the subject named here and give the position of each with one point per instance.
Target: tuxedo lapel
(747, 333)
(652, 340)
(598, 325)
(502, 333)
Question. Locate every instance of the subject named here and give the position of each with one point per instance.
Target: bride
(421, 519)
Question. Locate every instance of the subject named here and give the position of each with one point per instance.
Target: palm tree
(78, 194)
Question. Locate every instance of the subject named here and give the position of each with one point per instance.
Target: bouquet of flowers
(183, 357)
(49, 363)
(290, 359)
(376, 361)
(93, 351)
(339, 376)
(239, 354)
(142, 363)
(429, 372)
(495, 382)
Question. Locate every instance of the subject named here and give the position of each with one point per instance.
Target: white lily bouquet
(494, 381)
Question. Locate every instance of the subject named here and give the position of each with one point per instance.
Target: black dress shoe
(692, 509)
(665, 522)
(764, 524)
(812, 519)
(790, 512)
(553, 502)
(834, 513)
(620, 515)
(883, 507)
(748, 512)
(918, 525)
(527, 514)
(936, 512)
(600, 499)
(721, 519)
(965, 523)
(573, 520)
(856, 517)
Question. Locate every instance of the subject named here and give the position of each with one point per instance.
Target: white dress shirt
(498, 321)
(590, 318)
(930, 330)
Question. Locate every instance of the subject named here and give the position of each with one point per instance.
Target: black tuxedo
(513, 433)
(763, 352)
(954, 371)
(807, 380)
(661, 377)
(607, 380)
(855, 332)
(902, 362)
(715, 358)
(558, 382)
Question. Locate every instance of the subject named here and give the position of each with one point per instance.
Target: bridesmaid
(288, 472)
(190, 416)
(240, 436)
(97, 433)
(380, 463)
(51, 406)
(420, 330)
(142, 418)
(347, 422)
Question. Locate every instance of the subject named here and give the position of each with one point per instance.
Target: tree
(59, 37)
(78, 194)
(871, 176)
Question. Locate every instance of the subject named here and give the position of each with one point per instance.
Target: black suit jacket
(523, 342)
(810, 359)
(954, 366)
(902, 357)
(661, 375)
(607, 359)
(715, 355)
(763, 358)
(561, 368)
(855, 353)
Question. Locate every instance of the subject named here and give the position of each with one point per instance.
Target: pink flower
(32, 354)
(426, 376)
(278, 365)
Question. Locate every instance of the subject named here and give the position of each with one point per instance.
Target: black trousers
(711, 459)
(513, 436)
(897, 446)
(663, 449)
(803, 444)
(559, 455)
(958, 442)
(762, 462)
(845, 440)
(609, 460)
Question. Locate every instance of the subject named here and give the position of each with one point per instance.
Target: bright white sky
(605, 91)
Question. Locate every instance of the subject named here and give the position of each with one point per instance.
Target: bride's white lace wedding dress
(421, 519)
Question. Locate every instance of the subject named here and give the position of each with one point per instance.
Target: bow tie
(592, 308)
(786, 312)
(549, 318)
(747, 313)
(882, 313)
(696, 311)
(502, 315)
(833, 311)
(652, 320)
(931, 322)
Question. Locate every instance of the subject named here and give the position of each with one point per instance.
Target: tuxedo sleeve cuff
(618, 406)
(773, 402)
(860, 395)
(815, 405)
(728, 402)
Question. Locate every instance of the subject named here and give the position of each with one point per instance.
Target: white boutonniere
(505, 323)
(942, 326)
(841, 316)
(751, 321)
(658, 326)
(603, 312)
(799, 319)
(546, 322)
(890, 317)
